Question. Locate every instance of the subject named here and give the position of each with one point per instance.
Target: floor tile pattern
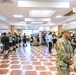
(30, 60)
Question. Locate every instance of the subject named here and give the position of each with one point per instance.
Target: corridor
(30, 60)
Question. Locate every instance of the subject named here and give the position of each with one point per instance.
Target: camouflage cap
(66, 30)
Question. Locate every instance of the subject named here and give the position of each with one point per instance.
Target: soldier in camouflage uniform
(64, 54)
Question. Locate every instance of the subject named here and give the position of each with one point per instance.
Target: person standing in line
(44, 39)
(10, 43)
(64, 54)
(14, 42)
(38, 40)
(19, 40)
(1, 45)
(5, 42)
(50, 42)
(31, 39)
(24, 40)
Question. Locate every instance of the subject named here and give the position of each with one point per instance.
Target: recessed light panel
(36, 22)
(17, 15)
(38, 19)
(41, 13)
(59, 16)
(24, 3)
(23, 22)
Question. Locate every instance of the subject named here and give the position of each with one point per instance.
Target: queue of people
(65, 45)
(35, 39)
(11, 42)
(49, 39)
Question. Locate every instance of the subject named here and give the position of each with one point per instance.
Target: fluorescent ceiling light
(41, 13)
(65, 24)
(36, 22)
(38, 19)
(59, 16)
(17, 15)
(23, 22)
(43, 4)
(18, 24)
(50, 23)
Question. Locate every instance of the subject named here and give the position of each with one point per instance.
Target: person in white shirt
(50, 42)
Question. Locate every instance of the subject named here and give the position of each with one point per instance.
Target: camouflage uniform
(64, 55)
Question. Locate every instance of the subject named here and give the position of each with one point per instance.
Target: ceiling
(9, 8)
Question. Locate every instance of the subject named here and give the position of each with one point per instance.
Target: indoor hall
(34, 20)
(32, 60)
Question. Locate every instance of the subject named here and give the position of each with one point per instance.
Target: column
(12, 29)
(59, 29)
(19, 31)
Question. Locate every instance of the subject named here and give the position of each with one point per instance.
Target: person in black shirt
(10, 43)
(38, 40)
(5, 42)
(73, 41)
(24, 40)
(19, 41)
(31, 39)
(44, 39)
(14, 42)
(73, 44)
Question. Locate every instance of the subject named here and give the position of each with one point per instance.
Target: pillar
(59, 29)
(12, 29)
(19, 31)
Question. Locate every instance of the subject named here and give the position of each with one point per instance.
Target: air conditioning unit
(6, 1)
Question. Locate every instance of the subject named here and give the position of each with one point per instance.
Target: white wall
(70, 26)
(54, 28)
(48, 28)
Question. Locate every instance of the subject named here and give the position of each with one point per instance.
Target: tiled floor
(34, 60)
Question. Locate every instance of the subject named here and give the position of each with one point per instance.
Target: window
(29, 32)
(35, 31)
(24, 31)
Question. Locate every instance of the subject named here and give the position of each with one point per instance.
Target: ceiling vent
(6, 1)
(69, 13)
